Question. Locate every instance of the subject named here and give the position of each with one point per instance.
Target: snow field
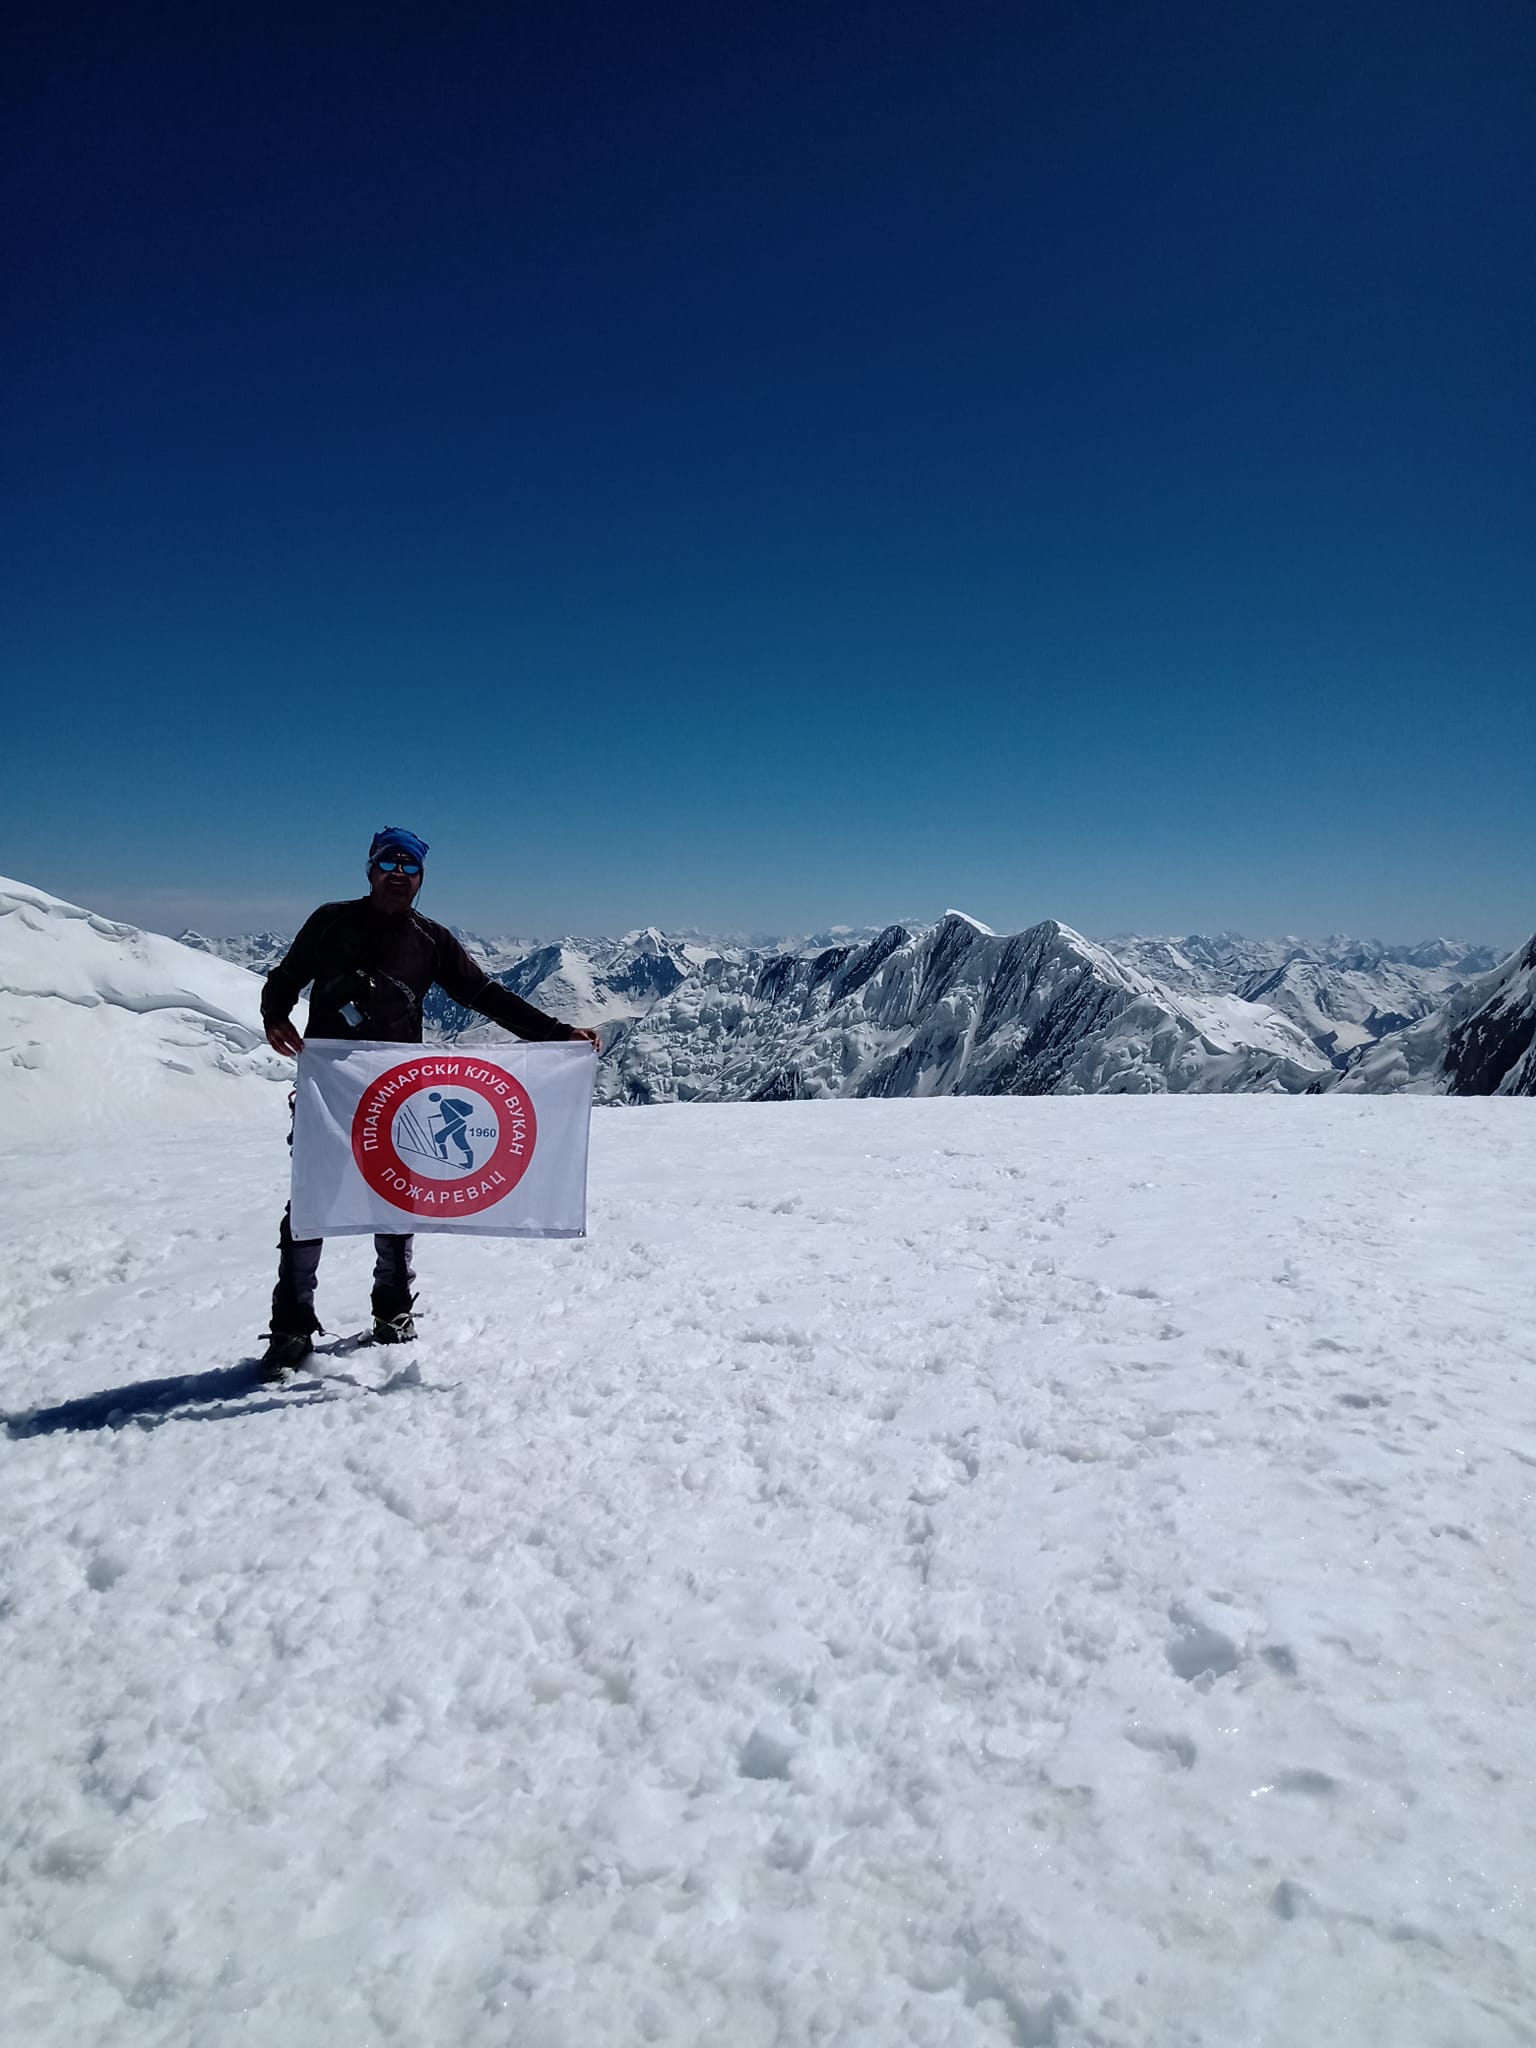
(953, 1572)
(104, 1027)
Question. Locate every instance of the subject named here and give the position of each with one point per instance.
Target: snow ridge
(96, 1017)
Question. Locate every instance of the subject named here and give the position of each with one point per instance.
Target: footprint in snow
(1196, 1650)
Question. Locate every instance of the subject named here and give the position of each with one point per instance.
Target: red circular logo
(444, 1135)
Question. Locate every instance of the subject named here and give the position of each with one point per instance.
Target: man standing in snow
(372, 961)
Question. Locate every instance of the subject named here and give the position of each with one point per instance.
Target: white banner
(412, 1137)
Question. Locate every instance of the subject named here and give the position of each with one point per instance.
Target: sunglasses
(392, 863)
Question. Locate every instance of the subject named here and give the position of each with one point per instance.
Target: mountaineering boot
(393, 1322)
(286, 1351)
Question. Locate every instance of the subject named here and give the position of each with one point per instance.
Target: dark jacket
(379, 965)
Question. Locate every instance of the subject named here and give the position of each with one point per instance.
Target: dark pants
(298, 1268)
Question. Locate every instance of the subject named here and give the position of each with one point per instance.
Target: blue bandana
(405, 842)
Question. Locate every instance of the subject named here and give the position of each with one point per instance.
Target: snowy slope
(1481, 1042)
(950, 1573)
(957, 1009)
(98, 1019)
(1342, 1008)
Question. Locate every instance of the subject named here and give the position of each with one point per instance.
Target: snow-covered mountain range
(258, 951)
(602, 983)
(914, 1009)
(1343, 992)
(1481, 1041)
(953, 1010)
(667, 1007)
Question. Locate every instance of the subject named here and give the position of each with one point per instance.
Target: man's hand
(590, 1036)
(284, 1039)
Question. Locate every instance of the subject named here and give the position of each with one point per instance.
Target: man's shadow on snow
(192, 1397)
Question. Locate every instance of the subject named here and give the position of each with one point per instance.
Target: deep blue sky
(761, 466)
